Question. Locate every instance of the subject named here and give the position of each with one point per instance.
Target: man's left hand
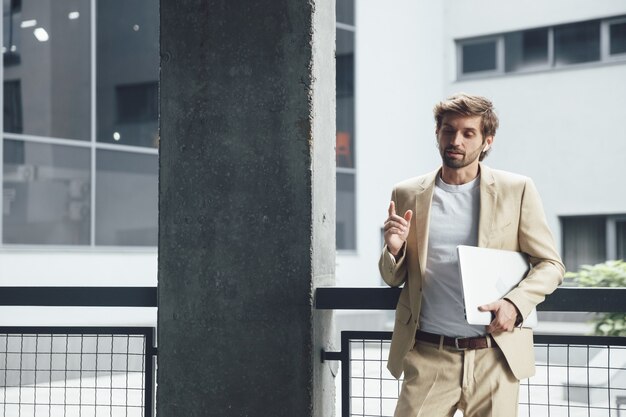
(505, 316)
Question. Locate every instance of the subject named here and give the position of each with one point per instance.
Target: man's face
(461, 141)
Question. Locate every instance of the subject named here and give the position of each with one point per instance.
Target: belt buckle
(456, 343)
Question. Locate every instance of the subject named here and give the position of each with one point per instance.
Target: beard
(462, 162)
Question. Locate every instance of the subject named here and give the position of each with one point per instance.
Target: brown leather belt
(459, 343)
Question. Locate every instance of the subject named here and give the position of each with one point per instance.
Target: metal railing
(576, 375)
(77, 371)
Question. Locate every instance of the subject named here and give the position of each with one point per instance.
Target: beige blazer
(512, 218)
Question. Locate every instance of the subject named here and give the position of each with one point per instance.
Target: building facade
(555, 71)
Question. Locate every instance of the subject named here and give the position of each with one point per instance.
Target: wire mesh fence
(75, 372)
(576, 376)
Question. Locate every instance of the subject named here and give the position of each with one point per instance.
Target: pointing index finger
(392, 208)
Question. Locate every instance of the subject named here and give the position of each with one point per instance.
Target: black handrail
(79, 296)
(570, 299)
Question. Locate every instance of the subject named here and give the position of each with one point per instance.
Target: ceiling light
(136, 28)
(28, 23)
(116, 136)
(73, 15)
(41, 34)
(13, 48)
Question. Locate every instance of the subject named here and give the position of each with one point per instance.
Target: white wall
(560, 127)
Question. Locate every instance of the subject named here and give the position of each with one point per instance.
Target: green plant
(606, 274)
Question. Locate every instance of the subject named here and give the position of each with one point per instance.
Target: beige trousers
(438, 380)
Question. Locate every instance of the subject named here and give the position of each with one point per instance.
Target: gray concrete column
(246, 207)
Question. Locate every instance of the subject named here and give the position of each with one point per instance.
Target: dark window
(620, 237)
(127, 53)
(584, 241)
(345, 99)
(345, 11)
(617, 34)
(479, 56)
(137, 103)
(13, 107)
(577, 43)
(526, 49)
(345, 139)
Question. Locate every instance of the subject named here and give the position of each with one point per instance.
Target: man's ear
(488, 141)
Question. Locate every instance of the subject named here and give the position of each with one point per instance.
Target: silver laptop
(487, 275)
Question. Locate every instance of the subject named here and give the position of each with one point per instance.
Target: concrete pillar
(246, 207)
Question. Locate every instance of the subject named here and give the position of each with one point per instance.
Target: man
(447, 363)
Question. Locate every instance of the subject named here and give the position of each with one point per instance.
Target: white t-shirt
(453, 221)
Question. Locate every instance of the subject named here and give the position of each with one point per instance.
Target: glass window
(526, 50)
(345, 99)
(13, 120)
(479, 56)
(617, 35)
(584, 241)
(345, 11)
(46, 54)
(346, 209)
(126, 198)
(128, 72)
(46, 194)
(620, 232)
(345, 142)
(577, 43)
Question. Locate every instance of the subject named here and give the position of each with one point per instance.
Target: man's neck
(458, 176)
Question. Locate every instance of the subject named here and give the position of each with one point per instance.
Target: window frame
(605, 40)
(605, 57)
(90, 143)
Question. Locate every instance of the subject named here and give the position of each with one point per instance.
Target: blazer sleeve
(535, 239)
(392, 269)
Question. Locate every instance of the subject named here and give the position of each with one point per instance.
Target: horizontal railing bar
(564, 299)
(79, 296)
(543, 339)
(82, 330)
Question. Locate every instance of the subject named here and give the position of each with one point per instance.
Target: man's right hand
(397, 229)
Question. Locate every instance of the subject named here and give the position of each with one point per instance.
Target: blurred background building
(556, 73)
(80, 129)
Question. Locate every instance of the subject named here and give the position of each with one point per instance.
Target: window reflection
(346, 209)
(128, 72)
(47, 69)
(126, 199)
(46, 194)
(345, 141)
(345, 99)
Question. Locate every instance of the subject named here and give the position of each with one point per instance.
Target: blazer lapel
(423, 200)
(488, 200)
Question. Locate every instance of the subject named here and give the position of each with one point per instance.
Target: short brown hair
(469, 105)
